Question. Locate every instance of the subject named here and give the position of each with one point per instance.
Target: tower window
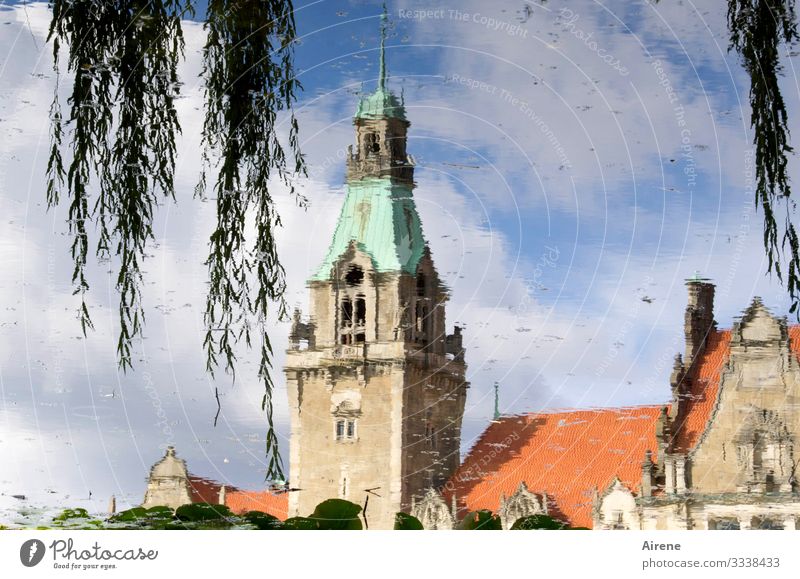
(345, 429)
(421, 320)
(430, 435)
(372, 143)
(361, 311)
(355, 276)
(421, 285)
(347, 313)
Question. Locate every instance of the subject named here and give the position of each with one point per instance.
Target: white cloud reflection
(546, 264)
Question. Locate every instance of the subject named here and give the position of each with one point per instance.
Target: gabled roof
(571, 455)
(204, 490)
(703, 391)
(567, 455)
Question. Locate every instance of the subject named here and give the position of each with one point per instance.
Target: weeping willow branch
(757, 29)
(122, 128)
(124, 57)
(247, 65)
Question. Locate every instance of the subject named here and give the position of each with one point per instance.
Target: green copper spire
(380, 218)
(382, 73)
(382, 104)
(496, 401)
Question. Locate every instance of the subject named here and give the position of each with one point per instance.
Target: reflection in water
(376, 386)
(123, 124)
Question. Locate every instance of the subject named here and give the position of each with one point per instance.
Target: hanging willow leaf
(122, 127)
(122, 120)
(758, 28)
(247, 66)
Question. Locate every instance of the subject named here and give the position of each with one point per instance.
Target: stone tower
(376, 386)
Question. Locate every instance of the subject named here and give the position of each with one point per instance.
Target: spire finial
(382, 73)
(497, 401)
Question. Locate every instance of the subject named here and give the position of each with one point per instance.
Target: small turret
(168, 484)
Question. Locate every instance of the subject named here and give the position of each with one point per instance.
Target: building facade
(720, 455)
(377, 392)
(376, 385)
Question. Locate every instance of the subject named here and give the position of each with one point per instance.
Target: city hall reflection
(377, 392)
(376, 384)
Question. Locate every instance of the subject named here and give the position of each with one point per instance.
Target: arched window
(360, 319)
(346, 320)
(421, 321)
(421, 285)
(372, 143)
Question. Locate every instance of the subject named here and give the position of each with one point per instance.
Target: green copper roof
(381, 104)
(381, 218)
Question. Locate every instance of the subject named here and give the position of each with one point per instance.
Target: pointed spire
(382, 73)
(497, 401)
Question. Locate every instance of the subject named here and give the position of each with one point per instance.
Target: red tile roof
(204, 490)
(241, 502)
(238, 501)
(702, 396)
(567, 455)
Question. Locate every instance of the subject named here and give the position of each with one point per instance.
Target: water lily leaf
(482, 520)
(263, 521)
(337, 514)
(300, 524)
(538, 523)
(202, 512)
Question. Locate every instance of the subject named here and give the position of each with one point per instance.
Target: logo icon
(32, 552)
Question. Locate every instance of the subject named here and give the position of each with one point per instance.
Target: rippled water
(561, 205)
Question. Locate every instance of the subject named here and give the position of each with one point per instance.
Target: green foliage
(202, 512)
(139, 517)
(757, 30)
(116, 165)
(404, 522)
(68, 514)
(337, 515)
(248, 71)
(300, 524)
(482, 520)
(263, 521)
(333, 514)
(538, 523)
(122, 119)
(76, 519)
